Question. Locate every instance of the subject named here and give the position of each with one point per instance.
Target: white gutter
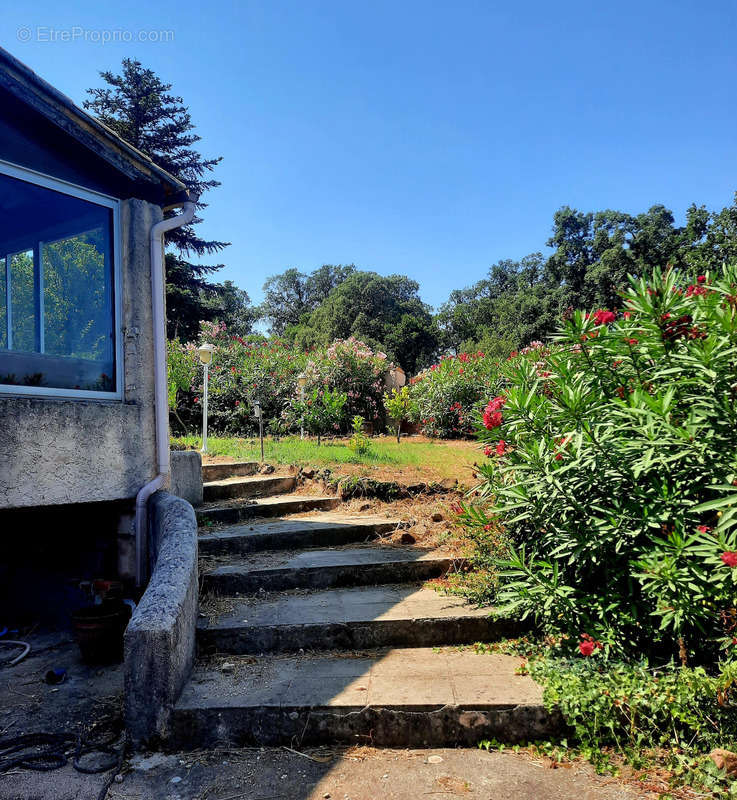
(161, 402)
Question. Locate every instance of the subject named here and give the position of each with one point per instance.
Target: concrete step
(330, 530)
(323, 569)
(279, 506)
(253, 486)
(345, 619)
(397, 698)
(229, 469)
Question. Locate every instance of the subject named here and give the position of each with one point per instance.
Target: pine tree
(139, 107)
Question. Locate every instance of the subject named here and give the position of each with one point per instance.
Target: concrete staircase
(317, 631)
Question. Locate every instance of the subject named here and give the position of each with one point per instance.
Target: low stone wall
(160, 638)
(186, 475)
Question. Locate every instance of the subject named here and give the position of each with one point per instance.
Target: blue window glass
(57, 318)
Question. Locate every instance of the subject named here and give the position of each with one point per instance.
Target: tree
(292, 294)
(138, 106)
(513, 305)
(190, 299)
(234, 309)
(386, 312)
(285, 300)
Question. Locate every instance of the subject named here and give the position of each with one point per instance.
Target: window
(58, 293)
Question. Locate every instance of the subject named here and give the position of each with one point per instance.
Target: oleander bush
(242, 371)
(445, 399)
(246, 370)
(351, 367)
(610, 483)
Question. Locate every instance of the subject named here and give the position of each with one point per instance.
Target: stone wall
(160, 638)
(58, 451)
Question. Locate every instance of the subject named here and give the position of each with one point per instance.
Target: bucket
(99, 631)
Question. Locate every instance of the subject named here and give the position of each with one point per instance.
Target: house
(83, 416)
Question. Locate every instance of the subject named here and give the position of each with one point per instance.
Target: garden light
(205, 353)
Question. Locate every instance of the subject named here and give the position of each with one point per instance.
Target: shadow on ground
(89, 700)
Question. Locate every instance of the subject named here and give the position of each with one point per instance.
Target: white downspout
(161, 403)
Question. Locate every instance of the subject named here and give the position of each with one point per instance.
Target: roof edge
(31, 88)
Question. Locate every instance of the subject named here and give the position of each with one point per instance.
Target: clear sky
(424, 138)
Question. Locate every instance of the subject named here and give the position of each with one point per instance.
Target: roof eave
(30, 88)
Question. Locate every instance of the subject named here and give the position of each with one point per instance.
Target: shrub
(399, 406)
(680, 713)
(612, 466)
(320, 411)
(242, 371)
(359, 442)
(351, 367)
(181, 373)
(446, 397)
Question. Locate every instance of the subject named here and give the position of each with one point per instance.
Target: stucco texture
(160, 638)
(58, 451)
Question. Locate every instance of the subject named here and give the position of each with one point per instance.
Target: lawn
(416, 458)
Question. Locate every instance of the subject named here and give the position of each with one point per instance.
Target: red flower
(587, 648)
(237, 402)
(602, 317)
(492, 414)
(501, 448)
(695, 291)
(627, 315)
(492, 419)
(703, 529)
(730, 558)
(631, 342)
(488, 451)
(197, 399)
(701, 279)
(588, 644)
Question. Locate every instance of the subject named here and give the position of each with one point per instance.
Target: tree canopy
(337, 302)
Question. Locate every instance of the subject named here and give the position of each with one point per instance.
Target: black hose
(42, 752)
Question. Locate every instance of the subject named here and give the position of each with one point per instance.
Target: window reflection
(56, 299)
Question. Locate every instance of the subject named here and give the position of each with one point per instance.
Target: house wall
(58, 451)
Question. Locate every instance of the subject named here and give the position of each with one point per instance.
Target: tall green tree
(141, 109)
(191, 298)
(386, 312)
(292, 294)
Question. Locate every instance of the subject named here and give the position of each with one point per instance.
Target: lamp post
(259, 412)
(302, 382)
(205, 352)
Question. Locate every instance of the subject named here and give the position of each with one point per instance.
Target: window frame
(91, 196)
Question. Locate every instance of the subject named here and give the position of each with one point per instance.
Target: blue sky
(429, 139)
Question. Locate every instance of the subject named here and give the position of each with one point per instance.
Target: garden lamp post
(259, 412)
(205, 352)
(302, 382)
